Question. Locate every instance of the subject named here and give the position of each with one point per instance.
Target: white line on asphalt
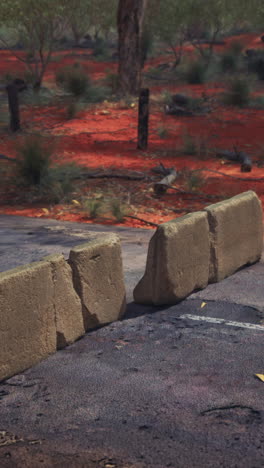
(225, 322)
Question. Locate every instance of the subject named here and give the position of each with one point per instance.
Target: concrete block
(177, 261)
(99, 280)
(27, 322)
(67, 304)
(236, 234)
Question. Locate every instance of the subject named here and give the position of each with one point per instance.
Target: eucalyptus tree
(130, 17)
(98, 16)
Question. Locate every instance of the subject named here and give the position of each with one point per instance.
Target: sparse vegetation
(162, 132)
(73, 79)
(33, 159)
(193, 180)
(111, 81)
(188, 53)
(238, 92)
(118, 209)
(194, 145)
(230, 59)
(196, 72)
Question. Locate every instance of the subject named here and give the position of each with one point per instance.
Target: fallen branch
(237, 156)
(142, 220)
(7, 158)
(246, 179)
(195, 195)
(110, 175)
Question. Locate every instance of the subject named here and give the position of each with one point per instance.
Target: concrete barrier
(177, 261)
(27, 322)
(236, 234)
(99, 280)
(67, 304)
(47, 305)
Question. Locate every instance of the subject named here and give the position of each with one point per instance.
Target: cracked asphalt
(156, 389)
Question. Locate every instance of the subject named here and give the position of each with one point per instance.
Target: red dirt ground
(105, 136)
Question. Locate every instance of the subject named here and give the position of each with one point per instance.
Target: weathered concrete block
(236, 233)
(27, 322)
(177, 262)
(99, 280)
(67, 304)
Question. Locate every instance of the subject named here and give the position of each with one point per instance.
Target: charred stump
(13, 89)
(237, 156)
(161, 187)
(143, 118)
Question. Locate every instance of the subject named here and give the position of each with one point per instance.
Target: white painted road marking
(225, 322)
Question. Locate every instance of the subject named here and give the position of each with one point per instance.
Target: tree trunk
(130, 22)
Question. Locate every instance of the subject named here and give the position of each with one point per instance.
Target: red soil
(105, 136)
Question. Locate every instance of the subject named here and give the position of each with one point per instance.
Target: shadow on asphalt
(134, 310)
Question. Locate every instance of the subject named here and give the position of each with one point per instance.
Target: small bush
(100, 49)
(43, 97)
(194, 180)
(34, 158)
(154, 72)
(72, 109)
(166, 97)
(238, 92)
(73, 79)
(96, 94)
(256, 64)
(118, 209)
(58, 184)
(189, 144)
(162, 132)
(194, 145)
(195, 104)
(196, 73)
(93, 207)
(111, 81)
(229, 60)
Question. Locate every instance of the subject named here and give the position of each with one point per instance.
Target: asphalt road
(164, 387)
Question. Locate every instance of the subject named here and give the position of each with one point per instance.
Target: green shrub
(166, 97)
(118, 209)
(96, 94)
(34, 158)
(194, 145)
(194, 181)
(238, 92)
(162, 132)
(195, 104)
(73, 79)
(58, 184)
(256, 64)
(229, 60)
(43, 97)
(72, 108)
(100, 48)
(93, 207)
(189, 144)
(154, 72)
(196, 72)
(111, 81)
